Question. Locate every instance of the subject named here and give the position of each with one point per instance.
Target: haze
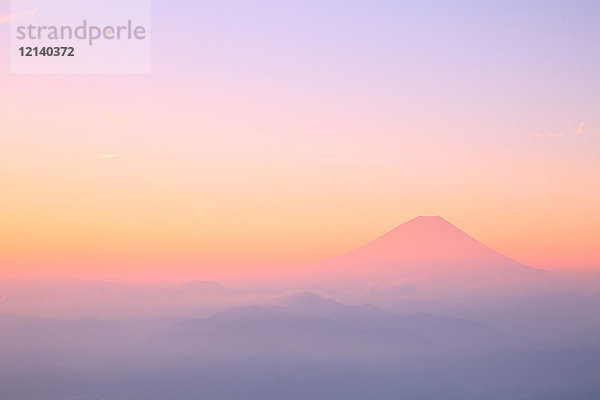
(309, 200)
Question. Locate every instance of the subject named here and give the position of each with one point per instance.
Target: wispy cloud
(6, 18)
(118, 117)
(29, 13)
(556, 135)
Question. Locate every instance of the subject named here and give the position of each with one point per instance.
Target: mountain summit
(424, 248)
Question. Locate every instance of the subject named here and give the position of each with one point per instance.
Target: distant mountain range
(306, 322)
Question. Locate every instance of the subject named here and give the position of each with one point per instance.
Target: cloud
(118, 117)
(6, 18)
(578, 131)
(10, 17)
(29, 12)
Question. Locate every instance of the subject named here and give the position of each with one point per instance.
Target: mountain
(377, 323)
(310, 304)
(424, 248)
(305, 322)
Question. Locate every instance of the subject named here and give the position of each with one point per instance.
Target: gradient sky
(277, 133)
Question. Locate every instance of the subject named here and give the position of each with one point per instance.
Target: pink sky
(285, 142)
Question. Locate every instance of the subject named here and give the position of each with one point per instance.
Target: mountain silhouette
(305, 321)
(425, 248)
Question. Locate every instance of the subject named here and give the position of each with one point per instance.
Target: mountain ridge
(422, 248)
